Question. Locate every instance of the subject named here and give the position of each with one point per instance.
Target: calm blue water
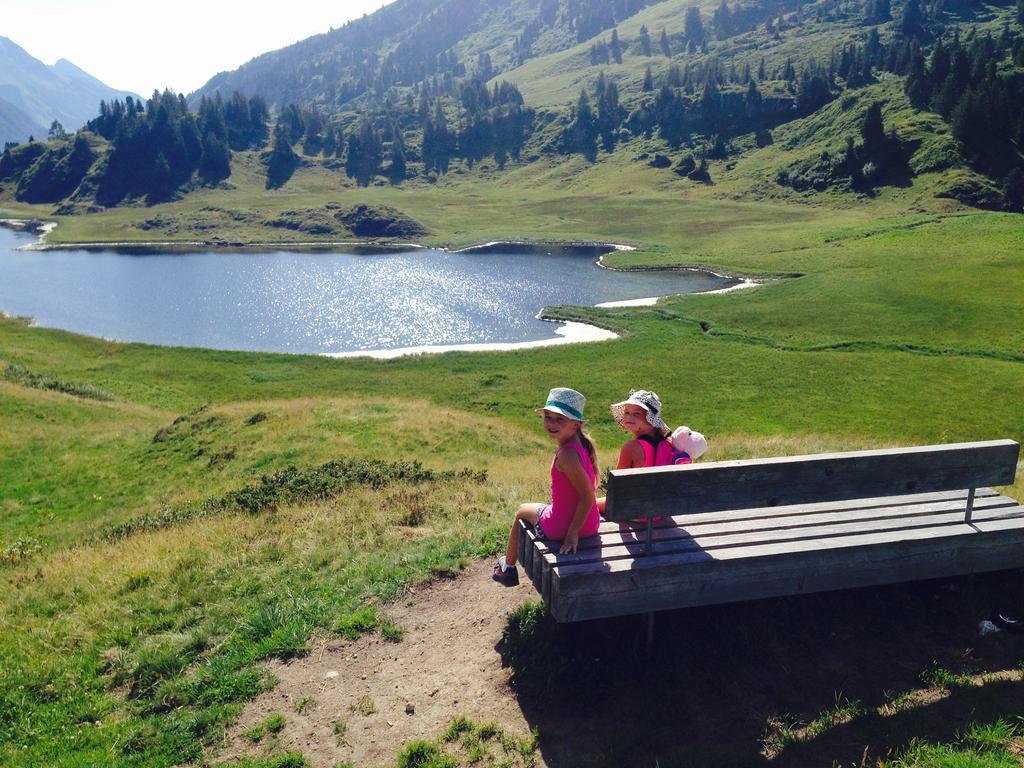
(311, 301)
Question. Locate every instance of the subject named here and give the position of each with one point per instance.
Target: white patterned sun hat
(647, 400)
(567, 402)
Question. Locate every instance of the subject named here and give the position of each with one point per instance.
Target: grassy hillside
(172, 520)
(158, 628)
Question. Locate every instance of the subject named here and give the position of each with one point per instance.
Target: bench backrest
(722, 485)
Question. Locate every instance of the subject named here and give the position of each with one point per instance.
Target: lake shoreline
(568, 332)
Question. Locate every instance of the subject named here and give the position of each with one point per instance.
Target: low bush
(19, 374)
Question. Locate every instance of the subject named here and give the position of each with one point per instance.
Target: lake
(315, 301)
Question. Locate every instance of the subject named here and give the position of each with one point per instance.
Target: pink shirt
(556, 518)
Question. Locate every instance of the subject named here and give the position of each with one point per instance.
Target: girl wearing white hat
(572, 512)
(653, 444)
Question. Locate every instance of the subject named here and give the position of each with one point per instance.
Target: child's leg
(528, 512)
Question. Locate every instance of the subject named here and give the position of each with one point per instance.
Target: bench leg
(650, 629)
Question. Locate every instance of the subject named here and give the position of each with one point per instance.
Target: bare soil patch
(835, 679)
(446, 665)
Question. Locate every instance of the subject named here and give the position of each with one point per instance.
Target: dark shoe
(507, 576)
(1004, 620)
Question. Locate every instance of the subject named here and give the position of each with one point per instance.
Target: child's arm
(569, 464)
(630, 455)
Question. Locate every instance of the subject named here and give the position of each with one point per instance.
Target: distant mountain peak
(36, 94)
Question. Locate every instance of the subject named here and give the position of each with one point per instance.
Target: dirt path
(446, 665)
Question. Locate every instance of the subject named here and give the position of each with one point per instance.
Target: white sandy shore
(568, 333)
(650, 301)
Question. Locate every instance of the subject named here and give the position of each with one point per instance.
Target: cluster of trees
(978, 88)
(157, 147)
(45, 173)
(588, 125)
(880, 158)
(492, 122)
(589, 17)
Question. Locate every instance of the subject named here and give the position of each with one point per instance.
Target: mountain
(770, 98)
(33, 95)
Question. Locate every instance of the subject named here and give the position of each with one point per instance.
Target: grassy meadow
(171, 519)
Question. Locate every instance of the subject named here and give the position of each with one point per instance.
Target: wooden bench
(742, 530)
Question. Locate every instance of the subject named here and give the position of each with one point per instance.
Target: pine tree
(282, 161)
(918, 86)
(648, 81)
(666, 47)
(330, 142)
(753, 101)
(215, 163)
(872, 130)
(609, 115)
(581, 135)
(912, 20)
(693, 26)
(397, 165)
(616, 47)
(645, 41)
(721, 20)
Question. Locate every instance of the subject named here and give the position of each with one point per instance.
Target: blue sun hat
(567, 402)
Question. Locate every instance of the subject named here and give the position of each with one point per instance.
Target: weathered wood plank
(894, 501)
(1012, 516)
(710, 545)
(531, 550)
(534, 560)
(691, 579)
(630, 544)
(685, 489)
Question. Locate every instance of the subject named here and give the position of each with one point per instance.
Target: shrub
(19, 374)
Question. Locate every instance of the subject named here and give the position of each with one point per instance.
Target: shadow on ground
(763, 683)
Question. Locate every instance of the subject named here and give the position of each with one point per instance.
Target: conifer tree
(581, 135)
(666, 47)
(215, 162)
(330, 146)
(282, 160)
(615, 47)
(872, 130)
(693, 26)
(912, 20)
(648, 80)
(645, 41)
(397, 164)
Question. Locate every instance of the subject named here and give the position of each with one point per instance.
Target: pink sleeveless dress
(555, 518)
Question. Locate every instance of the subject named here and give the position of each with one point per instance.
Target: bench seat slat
(690, 579)
(604, 545)
(807, 508)
(712, 545)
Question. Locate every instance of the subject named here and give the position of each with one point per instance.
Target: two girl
(574, 511)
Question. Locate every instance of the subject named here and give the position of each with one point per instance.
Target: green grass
(467, 743)
(904, 327)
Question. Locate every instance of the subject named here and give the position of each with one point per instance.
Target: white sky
(140, 45)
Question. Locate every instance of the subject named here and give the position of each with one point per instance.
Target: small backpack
(663, 454)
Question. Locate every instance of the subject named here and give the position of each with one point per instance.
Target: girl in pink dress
(572, 512)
